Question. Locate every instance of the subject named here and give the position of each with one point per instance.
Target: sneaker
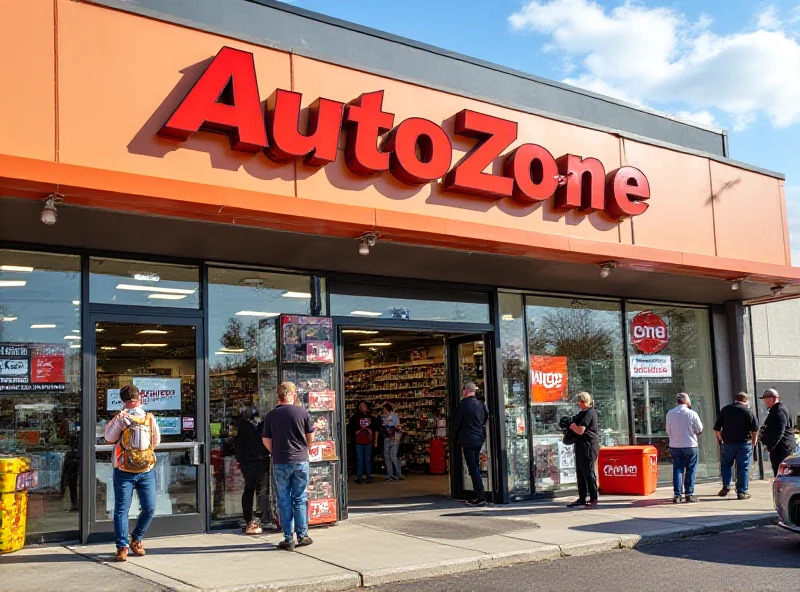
(304, 541)
(577, 503)
(689, 499)
(591, 505)
(743, 495)
(122, 554)
(389, 479)
(286, 545)
(253, 528)
(724, 492)
(676, 499)
(476, 503)
(137, 548)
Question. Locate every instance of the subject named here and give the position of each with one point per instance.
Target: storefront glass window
(682, 358)
(239, 302)
(573, 346)
(515, 392)
(40, 382)
(140, 283)
(383, 302)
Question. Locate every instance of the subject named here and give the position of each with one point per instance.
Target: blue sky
(730, 64)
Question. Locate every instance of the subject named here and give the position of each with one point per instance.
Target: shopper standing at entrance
(390, 429)
(364, 433)
(469, 426)
(683, 427)
(737, 431)
(136, 435)
(587, 447)
(776, 433)
(253, 461)
(288, 433)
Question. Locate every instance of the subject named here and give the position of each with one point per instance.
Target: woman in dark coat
(587, 447)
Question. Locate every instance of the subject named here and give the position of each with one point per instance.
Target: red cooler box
(628, 470)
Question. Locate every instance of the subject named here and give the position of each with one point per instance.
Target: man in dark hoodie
(253, 459)
(469, 425)
(776, 433)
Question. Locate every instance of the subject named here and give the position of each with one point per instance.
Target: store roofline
(338, 42)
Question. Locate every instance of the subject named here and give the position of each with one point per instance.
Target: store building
(560, 240)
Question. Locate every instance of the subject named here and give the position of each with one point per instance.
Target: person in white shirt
(683, 427)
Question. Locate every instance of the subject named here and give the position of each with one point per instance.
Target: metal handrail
(161, 447)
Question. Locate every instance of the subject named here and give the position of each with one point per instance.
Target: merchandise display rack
(299, 349)
(418, 393)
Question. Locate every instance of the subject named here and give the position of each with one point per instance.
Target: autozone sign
(416, 151)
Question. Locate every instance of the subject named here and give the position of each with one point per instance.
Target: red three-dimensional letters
(231, 77)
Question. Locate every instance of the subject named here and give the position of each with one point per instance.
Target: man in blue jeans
(737, 430)
(136, 435)
(288, 433)
(683, 428)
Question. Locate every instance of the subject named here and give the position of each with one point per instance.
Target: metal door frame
(92, 530)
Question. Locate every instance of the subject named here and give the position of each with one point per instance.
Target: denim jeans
(124, 485)
(741, 452)
(390, 456)
(291, 483)
(472, 456)
(363, 460)
(684, 460)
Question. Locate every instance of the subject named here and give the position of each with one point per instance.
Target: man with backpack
(135, 433)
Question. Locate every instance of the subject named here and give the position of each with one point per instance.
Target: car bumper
(786, 495)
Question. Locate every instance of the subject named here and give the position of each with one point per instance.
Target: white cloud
(702, 117)
(655, 55)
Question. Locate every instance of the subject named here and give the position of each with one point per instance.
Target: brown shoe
(253, 528)
(122, 554)
(138, 548)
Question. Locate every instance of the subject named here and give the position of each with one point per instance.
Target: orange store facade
(170, 180)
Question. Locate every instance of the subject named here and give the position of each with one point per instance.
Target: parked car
(786, 494)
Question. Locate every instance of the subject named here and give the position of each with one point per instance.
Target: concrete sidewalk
(388, 543)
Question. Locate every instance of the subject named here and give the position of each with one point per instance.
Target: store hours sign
(28, 367)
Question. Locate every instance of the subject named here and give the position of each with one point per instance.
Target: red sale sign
(649, 332)
(321, 511)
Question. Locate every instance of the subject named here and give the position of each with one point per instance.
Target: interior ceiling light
(18, 268)
(43, 326)
(365, 241)
(153, 332)
(376, 344)
(99, 330)
(8, 319)
(13, 283)
(304, 295)
(71, 337)
(252, 281)
(507, 317)
(76, 302)
(607, 267)
(359, 332)
(232, 350)
(156, 289)
(167, 296)
(365, 313)
(256, 313)
(147, 277)
(144, 345)
(108, 348)
(49, 211)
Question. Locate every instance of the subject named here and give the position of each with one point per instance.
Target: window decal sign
(29, 367)
(651, 366)
(416, 151)
(649, 332)
(548, 379)
(157, 394)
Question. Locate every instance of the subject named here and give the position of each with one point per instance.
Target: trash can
(16, 478)
(628, 470)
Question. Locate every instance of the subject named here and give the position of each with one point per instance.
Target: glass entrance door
(467, 364)
(162, 358)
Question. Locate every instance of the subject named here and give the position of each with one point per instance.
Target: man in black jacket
(776, 433)
(469, 426)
